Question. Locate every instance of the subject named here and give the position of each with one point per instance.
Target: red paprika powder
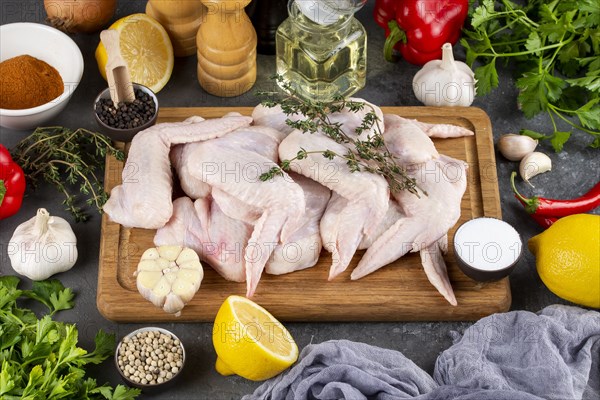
(27, 82)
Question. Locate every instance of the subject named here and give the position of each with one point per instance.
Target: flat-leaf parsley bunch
(555, 46)
(39, 358)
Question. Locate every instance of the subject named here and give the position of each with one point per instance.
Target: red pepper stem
(2, 191)
(530, 204)
(396, 35)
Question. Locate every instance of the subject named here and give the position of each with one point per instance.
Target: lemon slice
(250, 342)
(145, 47)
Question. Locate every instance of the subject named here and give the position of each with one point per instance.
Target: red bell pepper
(12, 184)
(418, 28)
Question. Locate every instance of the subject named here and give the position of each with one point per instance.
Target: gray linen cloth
(554, 354)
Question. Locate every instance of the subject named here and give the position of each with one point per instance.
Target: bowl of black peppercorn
(123, 121)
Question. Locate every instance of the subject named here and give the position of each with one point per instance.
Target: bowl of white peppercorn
(150, 358)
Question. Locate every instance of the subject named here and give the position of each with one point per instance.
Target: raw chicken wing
(143, 200)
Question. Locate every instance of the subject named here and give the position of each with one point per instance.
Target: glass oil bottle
(322, 49)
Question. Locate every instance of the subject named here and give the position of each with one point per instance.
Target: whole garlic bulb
(42, 246)
(515, 147)
(445, 82)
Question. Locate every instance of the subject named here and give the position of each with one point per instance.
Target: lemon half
(568, 258)
(250, 342)
(145, 47)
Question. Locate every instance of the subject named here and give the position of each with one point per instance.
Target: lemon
(568, 258)
(250, 342)
(145, 47)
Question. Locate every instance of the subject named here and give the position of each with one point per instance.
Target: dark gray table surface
(575, 170)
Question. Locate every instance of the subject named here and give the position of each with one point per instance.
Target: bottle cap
(327, 12)
(318, 11)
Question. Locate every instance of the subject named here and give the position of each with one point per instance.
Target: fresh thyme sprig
(368, 153)
(64, 157)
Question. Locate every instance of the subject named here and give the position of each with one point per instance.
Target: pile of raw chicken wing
(242, 225)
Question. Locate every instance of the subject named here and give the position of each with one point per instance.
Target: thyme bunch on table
(366, 151)
(69, 160)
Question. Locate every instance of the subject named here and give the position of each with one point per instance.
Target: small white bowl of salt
(487, 249)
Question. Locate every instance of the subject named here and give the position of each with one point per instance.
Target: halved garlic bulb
(169, 277)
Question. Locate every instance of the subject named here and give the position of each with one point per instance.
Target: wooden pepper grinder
(226, 44)
(266, 16)
(181, 19)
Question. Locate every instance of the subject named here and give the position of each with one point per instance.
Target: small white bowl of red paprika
(40, 68)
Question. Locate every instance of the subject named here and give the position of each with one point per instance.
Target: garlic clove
(534, 164)
(173, 304)
(150, 278)
(151, 254)
(515, 147)
(186, 254)
(149, 265)
(169, 252)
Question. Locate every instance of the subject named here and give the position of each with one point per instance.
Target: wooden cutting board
(397, 292)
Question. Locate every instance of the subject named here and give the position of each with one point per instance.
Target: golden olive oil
(321, 61)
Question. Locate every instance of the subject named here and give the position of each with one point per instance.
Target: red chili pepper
(543, 221)
(559, 208)
(12, 184)
(419, 28)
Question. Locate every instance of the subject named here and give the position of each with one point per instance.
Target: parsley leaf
(590, 6)
(6, 383)
(591, 81)
(482, 13)
(589, 114)
(552, 31)
(105, 343)
(533, 134)
(533, 43)
(569, 53)
(487, 78)
(123, 393)
(52, 294)
(592, 63)
(559, 139)
(537, 90)
(9, 282)
(8, 291)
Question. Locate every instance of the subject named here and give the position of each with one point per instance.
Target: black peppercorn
(126, 115)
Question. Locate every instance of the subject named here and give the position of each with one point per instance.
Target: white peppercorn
(150, 357)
